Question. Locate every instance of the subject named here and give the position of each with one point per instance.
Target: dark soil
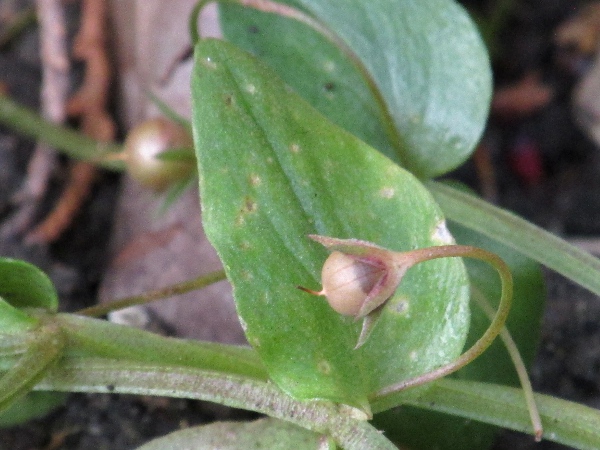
(564, 199)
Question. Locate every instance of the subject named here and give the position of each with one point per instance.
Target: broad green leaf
(314, 67)
(25, 286)
(273, 170)
(263, 434)
(419, 428)
(425, 57)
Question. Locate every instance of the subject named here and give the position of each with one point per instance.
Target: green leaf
(273, 170)
(87, 336)
(34, 405)
(263, 434)
(565, 422)
(426, 59)
(25, 286)
(314, 67)
(13, 320)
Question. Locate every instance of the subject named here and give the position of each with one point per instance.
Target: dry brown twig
(89, 105)
(55, 86)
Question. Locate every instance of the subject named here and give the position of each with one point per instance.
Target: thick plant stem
(147, 297)
(95, 374)
(289, 12)
(70, 142)
(445, 251)
(515, 356)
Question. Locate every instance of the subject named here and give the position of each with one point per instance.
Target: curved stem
(283, 10)
(515, 356)
(147, 297)
(445, 251)
(68, 141)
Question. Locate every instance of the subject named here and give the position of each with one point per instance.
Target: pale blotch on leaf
(209, 63)
(254, 179)
(269, 160)
(399, 306)
(413, 355)
(324, 367)
(295, 148)
(246, 275)
(416, 119)
(441, 234)
(240, 220)
(329, 66)
(387, 192)
(245, 245)
(250, 88)
(254, 341)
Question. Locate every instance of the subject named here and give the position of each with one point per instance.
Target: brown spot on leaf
(250, 206)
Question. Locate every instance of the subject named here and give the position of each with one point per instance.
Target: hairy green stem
(103, 375)
(147, 297)
(515, 356)
(284, 10)
(64, 139)
(445, 251)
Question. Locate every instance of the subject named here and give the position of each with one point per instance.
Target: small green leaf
(13, 320)
(272, 171)
(34, 405)
(426, 59)
(269, 434)
(25, 286)
(174, 192)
